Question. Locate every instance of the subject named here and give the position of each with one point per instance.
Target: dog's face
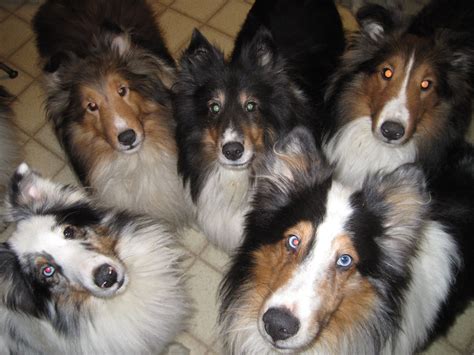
(402, 81)
(313, 250)
(63, 248)
(230, 112)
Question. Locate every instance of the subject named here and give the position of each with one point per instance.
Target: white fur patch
(356, 153)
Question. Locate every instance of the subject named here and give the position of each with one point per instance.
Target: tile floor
(220, 21)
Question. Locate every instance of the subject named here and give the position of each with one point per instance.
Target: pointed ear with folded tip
(122, 43)
(261, 49)
(296, 161)
(200, 52)
(25, 187)
(375, 21)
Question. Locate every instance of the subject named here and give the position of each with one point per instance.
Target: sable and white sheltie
(403, 91)
(9, 149)
(230, 112)
(79, 279)
(328, 269)
(108, 76)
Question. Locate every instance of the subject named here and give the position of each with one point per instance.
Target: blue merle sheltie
(231, 111)
(108, 75)
(80, 279)
(330, 269)
(403, 91)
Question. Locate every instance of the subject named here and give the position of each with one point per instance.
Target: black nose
(392, 130)
(105, 276)
(233, 150)
(280, 324)
(127, 137)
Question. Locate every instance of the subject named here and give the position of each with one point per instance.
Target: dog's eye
(250, 106)
(92, 107)
(293, 242)
(48, 270)
(425, 85)
(122, 91)
(69, 232)
(214, 107)
(387, 73)
(344, 261)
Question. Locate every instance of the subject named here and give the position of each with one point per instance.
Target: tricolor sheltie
(9, 149)
(108, 76)
(78, 279)
(230, 112)
(402, 93)
(328, 269)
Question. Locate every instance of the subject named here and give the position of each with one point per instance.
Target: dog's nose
(127, 137)
(392, 130)
(280, 324)
(233, 150)
(105, 276)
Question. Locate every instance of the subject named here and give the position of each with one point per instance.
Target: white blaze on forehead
(396, 109)
(300, 294)
(120, 123)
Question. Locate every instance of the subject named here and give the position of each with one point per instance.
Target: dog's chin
(130, 149)
(235, 165)
(113, 291)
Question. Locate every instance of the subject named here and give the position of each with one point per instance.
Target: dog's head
(229, 112)
(61, 250)
(109, 95)
(309, 270)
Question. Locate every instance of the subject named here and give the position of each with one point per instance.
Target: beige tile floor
(219, 20)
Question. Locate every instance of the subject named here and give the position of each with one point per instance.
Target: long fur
(65, 314)
(352, 137)
(106, 41)
(258, 72)
(412, 257)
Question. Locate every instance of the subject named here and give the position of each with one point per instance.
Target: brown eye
(425, 85)
(387, 73)
(92, 107)
(69, 232)
(122, 91)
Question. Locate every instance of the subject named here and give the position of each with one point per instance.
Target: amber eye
(425, 85)
(250, 106)
(122, 91)
(387, 73)
(69, 232)
(92, 107)
(214, 107)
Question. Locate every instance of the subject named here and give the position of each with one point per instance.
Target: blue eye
(214, 107)
(293, 242)
(48, 270)
(344, 261)
(250, 106)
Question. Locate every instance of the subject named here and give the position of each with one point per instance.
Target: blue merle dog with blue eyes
(330, 269)
(78, 279)
(229, 112)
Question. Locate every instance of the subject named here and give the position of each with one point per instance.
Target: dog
(229, 112)
(108, 76)
(81, 279)
(332, 269)
(9, 148)
(402, 93)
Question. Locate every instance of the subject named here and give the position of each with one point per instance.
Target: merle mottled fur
(66, 26)
(448, 47)
(290, 194)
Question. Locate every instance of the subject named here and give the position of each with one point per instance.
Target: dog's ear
(120, 40)
(460, 54)
(15, 292)
(401, 197)
(376, 21)
(200, 53)
(261, 49)
(295, 163)
(57, 60)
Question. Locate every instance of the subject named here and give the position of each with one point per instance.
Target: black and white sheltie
(329, 269)
(108, 76)
(403, 91)
(78, 279)
(9, 149)
(230, 112)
